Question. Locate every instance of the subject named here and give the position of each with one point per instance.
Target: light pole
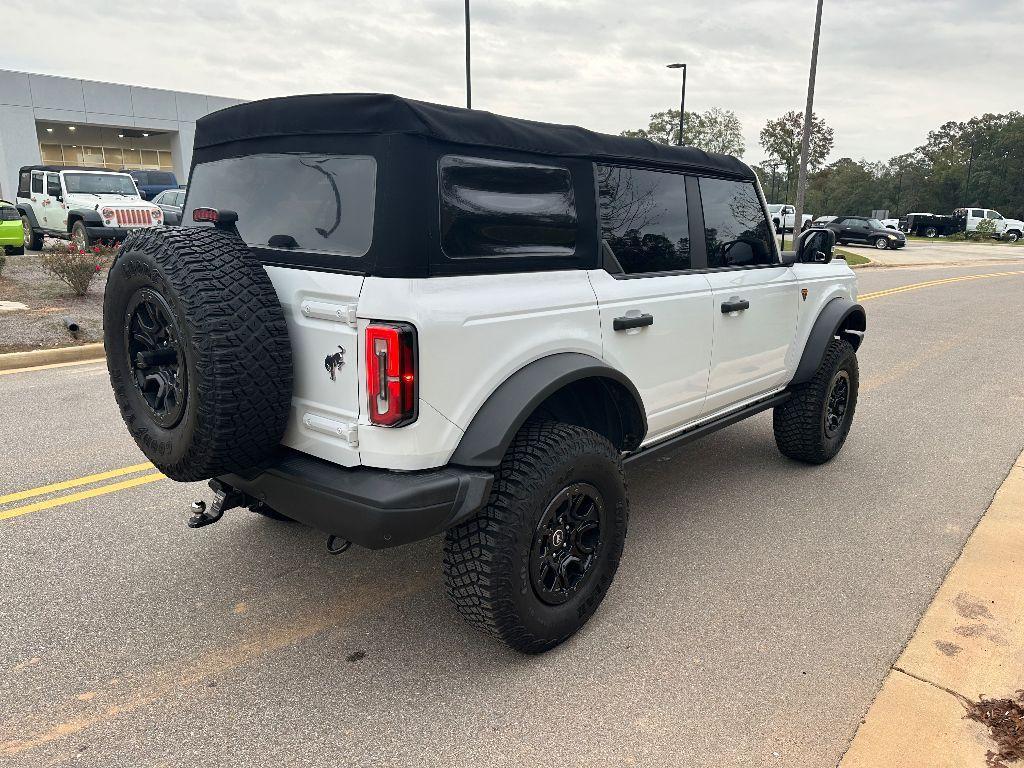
(805, 142)
(682, 101)
(469, 87)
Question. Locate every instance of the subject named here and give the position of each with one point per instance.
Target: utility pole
(805, 143)
(967, 184)
(469, 87)
(682, 102)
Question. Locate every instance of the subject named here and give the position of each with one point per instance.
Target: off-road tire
(233, 348)
(799, 423)
(487, 557)
(33, 240)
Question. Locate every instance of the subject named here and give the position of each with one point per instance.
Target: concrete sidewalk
(969, 645)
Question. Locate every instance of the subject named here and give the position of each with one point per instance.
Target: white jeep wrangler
(388, 319)
(80, 204)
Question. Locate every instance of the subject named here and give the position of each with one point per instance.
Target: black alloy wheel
(837, 403)
(567, 543)
(153, 344)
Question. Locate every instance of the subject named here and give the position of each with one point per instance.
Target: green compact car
(12, 236)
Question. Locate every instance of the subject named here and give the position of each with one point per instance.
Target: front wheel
(881, 243)
(931, 232)
(532, 566)
(80, 235)
(1012, 237)
(813, 424)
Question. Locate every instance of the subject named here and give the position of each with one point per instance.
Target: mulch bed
(1005, 721)
(49, 301)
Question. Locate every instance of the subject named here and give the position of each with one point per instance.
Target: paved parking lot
(941, 252)
(758, 606)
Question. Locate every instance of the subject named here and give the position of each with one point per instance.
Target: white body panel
(129, 211)
(668, 361)
(473, 332)
(751, 347)
(1002, 225)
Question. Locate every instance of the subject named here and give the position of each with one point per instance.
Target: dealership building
(65, 121)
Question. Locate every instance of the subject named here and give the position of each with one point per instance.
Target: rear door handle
(734, 304)
(632, 321)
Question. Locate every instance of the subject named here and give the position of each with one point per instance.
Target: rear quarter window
(495, 208)
(304, 202)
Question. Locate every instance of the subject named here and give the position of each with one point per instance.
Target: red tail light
(391, 386)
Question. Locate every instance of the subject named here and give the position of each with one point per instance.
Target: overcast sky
(889, 70)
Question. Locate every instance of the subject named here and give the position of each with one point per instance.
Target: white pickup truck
(1005, 229)
(783, 217)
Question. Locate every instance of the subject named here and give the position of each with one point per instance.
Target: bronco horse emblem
(333, 362)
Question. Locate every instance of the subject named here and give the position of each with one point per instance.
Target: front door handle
(632, 321)
(734, 304)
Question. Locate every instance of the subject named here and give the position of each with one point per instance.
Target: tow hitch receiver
(226, 498)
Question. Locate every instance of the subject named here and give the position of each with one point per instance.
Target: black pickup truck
(931, 224)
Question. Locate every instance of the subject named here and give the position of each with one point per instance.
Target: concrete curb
(36, 357)
(969, 643)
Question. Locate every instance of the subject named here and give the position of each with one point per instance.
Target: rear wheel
(813, 424)
(15, 250)
(931, 232)
(532, 566)
(33, 239)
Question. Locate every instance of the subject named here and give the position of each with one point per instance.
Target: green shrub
(985, 230)
(75, 266)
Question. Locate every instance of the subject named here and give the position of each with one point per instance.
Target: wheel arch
(28, 213)
(839, 317)
(85, 215)
(569, 386)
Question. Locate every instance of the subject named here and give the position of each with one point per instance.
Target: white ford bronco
(80, 204)
(387, 319)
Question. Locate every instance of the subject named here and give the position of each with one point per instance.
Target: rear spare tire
(197, 350)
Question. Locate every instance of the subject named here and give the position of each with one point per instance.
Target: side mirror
(815, 246)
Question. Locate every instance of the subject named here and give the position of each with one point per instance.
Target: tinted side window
(141, 177)
(53, 185)
(978, 213)
(37, 183)
(735, 228)
(644, 218)
(23, 184)
(497, 208)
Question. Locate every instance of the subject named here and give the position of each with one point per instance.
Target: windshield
(875, 224)
(100, 184)
(305, 202)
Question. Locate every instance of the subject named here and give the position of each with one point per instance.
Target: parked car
(861, 229)
(152, 183)
(80, 204)
(11, 235)
(783, 217)
(170, 202)
(821, 221)
(389, 319)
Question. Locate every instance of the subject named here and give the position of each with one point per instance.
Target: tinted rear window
(319, 203)
(161, 179)
(494, 208)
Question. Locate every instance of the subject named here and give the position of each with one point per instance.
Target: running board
(700, 430)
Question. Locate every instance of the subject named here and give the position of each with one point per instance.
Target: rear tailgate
(321, 312)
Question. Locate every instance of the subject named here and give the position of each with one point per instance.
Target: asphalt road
(758, 606)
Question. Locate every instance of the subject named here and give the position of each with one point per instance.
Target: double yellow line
(143, 476)
(930, 283)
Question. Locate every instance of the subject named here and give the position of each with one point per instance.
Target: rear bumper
(374, 508)
(11, 233)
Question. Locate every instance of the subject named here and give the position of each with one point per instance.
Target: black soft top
(379, 114)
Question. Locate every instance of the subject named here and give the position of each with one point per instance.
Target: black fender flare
(87, 215)
(840, 316)
(29, 214)
(492, 429)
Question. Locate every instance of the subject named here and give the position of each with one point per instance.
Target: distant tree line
(977, 163)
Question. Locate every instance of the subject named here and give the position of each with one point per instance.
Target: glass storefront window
(93, 156)
(51, 154)
(113, 158)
